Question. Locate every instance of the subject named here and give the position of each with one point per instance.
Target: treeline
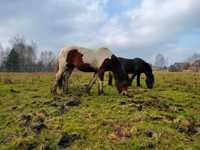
(22, 57)
(190, 64)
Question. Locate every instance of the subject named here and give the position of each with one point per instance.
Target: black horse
(136, 67)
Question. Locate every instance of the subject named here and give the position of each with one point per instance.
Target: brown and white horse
(89, 60)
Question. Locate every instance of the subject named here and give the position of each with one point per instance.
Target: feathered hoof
(86, 89)
(101, 93)
(53, 92)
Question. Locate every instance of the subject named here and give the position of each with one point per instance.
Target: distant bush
(179, 67)
(196, 66)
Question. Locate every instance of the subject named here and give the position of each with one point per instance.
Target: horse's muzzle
(124, 93)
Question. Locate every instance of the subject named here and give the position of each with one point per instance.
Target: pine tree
(12, 62)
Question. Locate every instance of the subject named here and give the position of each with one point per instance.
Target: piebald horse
(89, 60)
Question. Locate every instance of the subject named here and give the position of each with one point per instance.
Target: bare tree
(46, 60)
(195, 66)
(193, 58)
(160, 61)
(27, 53)
(3, 56)
(22, 57)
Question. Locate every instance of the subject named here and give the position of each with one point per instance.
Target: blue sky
(130, 28)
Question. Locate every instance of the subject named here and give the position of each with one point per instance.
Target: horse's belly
(86, 68)
(92, 61)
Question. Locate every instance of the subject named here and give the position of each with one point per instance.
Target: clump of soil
(37, 127)
(73, 101)
(161, 105)
(186, 125)
(62, 109)
(14, 91)
(120, 131)
(13, 107)
(34, 122)
(139, 107)
(67, 139)
(25, 120)
(149, 133)
(40, 116)
(25, 145)
(122, 103)
(55, 102)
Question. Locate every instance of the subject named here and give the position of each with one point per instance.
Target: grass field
(166, 117)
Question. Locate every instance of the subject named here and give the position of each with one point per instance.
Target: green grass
(170, 112)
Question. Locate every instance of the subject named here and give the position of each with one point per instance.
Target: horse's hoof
(110, 84)
(101, 93)
(86, 89)
(53, 92)
(65, 94)
(65, 91)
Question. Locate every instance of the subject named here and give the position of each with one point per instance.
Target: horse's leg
(100, 83)
(59, 75)
(138, 80)
(65, 81)
(110, 78)
(131, 79)
(91, 83)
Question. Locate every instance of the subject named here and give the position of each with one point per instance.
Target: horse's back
(94, 57)
(136, 65)
(102, 54)
(142, 66)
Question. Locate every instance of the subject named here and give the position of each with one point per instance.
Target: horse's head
(150, 81)
(122, 87)
(121, 77)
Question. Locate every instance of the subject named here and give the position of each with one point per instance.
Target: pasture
(166, 117)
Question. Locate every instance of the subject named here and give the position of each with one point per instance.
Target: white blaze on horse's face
(124, 93)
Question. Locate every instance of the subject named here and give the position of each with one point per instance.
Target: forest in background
(22, 56)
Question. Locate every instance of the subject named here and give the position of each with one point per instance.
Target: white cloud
(54, 23)
(155, 22)
(140, 30)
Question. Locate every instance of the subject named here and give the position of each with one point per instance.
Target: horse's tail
(56, 69)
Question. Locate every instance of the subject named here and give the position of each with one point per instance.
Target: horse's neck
(148, 72)
(118, 72)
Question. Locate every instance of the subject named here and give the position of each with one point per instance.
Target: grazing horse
(136, 67)
(89, 60)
